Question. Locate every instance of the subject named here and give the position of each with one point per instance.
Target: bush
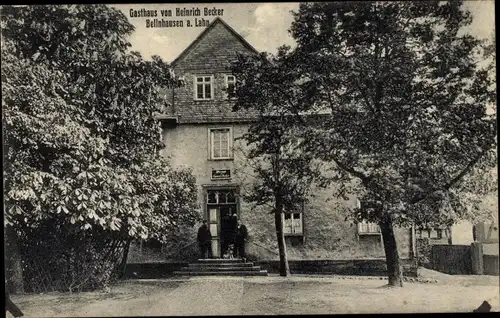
(82, 173)
(424, 252)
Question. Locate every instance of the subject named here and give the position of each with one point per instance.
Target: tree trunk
(123, 264)
(284, 268)
(394, 270)
(13, 266)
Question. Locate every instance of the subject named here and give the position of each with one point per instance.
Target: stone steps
(221, 267)
(219, 260)
(218, 269)
(210, 265)
(222, 273)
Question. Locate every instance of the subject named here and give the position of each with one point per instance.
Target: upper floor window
(220, 143)
(230, 83)
(203, 87)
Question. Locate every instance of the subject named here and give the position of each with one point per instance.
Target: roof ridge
(204, 32)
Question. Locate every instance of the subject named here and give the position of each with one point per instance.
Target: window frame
(432, 233)
(195, 87)
(367, 224)
(293, 233)
(229, 142)
(217, 202)
(226, 85)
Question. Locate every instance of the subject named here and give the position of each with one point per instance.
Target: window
(365, 227)
(220, 143)
(221, 197)
(203, 87)
(433, 233)
(292, 224)
(230, 84)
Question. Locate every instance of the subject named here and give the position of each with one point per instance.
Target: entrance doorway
(221, 205)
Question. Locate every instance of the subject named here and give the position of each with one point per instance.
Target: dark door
(228, 223)
(221, 205)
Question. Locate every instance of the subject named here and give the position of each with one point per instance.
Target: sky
(264, 25)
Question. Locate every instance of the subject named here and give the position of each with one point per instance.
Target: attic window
(203, 87)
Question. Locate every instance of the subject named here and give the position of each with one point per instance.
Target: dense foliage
(406, 108)
(408, 103)
(82, 146)
(283, 173)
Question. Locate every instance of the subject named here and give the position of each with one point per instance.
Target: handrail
(194, 242)
(264, 247)
(180, 249)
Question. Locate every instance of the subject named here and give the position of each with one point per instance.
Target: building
(200, 131)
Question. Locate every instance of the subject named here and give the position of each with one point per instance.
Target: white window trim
(211, 143)
(195, 87)
(226, 84)
(293, 233)
(361, 231)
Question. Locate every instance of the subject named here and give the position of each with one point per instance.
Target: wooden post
(477, 258)
(413, 242)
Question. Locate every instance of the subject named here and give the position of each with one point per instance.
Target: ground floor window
(365, 227)
(293, 224)
(433, 233)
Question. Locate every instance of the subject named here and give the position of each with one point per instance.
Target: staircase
(221, 267)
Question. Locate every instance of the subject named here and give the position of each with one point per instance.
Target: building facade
(200, 131)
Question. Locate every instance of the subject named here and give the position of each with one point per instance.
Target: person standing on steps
(233, 221)
(228, 231)
(240, 238)
(205, 241)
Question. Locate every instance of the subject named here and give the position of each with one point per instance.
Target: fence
(452, 259)
(485, 258)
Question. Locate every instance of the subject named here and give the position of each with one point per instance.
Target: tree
(490, 52)
(408, 108)
(405, 102)
(81, 141)
(282, 174)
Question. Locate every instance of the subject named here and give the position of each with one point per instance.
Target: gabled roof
(202, 34)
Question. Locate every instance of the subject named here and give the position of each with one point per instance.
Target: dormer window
(230, 81)
(203, 87)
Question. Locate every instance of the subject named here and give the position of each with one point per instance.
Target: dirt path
(300, 294)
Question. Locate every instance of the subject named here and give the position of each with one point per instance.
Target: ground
(299, 294)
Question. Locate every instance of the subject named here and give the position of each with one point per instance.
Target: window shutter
(195, 88)
(212, 87)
